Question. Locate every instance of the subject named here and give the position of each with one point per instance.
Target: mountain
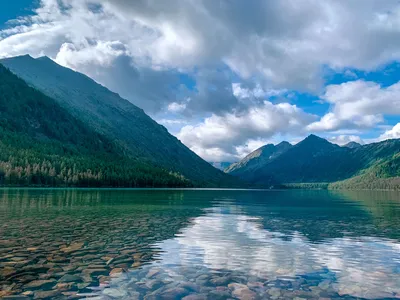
(315, 160)
(222, 165)
(352, 145)
(107, 114)
(42, 144)
(382, 167)
(258, 158)
(383, 175)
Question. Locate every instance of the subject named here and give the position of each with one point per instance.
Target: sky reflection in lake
(227, 238)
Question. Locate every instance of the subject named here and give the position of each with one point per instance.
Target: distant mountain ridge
(135, 133)
(316, 160)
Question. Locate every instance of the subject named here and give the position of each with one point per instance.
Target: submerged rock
(73, 247)
(195, 297)
(70, 278)
(40, 284)
(46, 294)
(242, 291)
(153, 272)
(114, 293)
(174, 293)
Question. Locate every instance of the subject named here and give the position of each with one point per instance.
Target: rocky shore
(51, 254)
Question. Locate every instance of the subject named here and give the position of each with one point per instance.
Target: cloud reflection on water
(227, 239)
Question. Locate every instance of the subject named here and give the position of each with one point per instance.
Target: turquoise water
(199, 244)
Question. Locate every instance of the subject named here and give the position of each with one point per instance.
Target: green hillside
(315, 163)
(382, 175)
(108, 114)
(42, 144)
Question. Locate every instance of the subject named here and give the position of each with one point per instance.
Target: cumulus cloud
(102, 53)
(358, 104)
(257, 91)
(345, 139)
(227, 133)
(176, 107)
(283, 42)
(393, 133)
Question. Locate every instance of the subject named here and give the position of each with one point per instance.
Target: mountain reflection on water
(200, 244)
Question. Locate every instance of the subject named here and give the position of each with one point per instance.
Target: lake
(199, 244)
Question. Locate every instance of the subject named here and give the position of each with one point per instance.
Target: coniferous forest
(41, 144)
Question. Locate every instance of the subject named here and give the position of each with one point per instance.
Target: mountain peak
(27, 56)
(352, 145)
(283, 144)
(314, 141)
(259, 157)
(45, 58)
(314, 137)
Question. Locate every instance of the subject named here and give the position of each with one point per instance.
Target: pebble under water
(199, 244)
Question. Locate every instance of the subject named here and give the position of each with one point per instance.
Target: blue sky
(10, 10)
(227, 77)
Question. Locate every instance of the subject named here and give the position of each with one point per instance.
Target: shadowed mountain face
(108, 114)
(259, 157)
(315, 160)
(42, 144)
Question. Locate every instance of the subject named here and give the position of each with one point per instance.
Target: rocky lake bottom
(199, 244)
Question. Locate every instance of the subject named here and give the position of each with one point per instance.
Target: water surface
(199, 244)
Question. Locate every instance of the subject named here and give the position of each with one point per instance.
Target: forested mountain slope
(117, 119)
(315, 160)
(43, 144)
(383, 171)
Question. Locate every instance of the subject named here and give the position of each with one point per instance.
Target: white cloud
(227, 133)
(171, 121)
(358, 104)
(350, 74)
(176, 107)
(393, 133)
(101, 53)
(345, 139)
(250, 146)
(283, 43)
(256, 92)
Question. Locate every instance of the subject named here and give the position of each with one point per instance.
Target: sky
(227, 77)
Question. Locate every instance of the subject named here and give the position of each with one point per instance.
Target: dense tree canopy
(41, 144)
